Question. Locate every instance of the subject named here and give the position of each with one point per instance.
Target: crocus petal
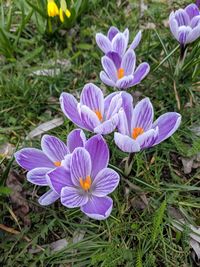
(112, 32)
(127, 105)
(92, 97)
(192, 10)
(108, 99)
(98, 208)
(81, 165)
(128, 62)
(119, 43)
(182, 17)
(89, 118)
(167, 124)
(140, 73)
(148, 138)
(116, 58)
(72, 197)
(143, 115)
(125, 143)
(38, 176)
(53, 148)
(126, 36)
(69, 107)
(48, 198)
(115, 105)
(125, 82)
(123, 126)
(31, 158)
(105, 182)
(183, 34)
(99, 153)
(75, 138)
(105, 79)
(173, 26)
(194, 34)
(195, 22)
(109, 68)
(107, 126)
(136, 40)
(59, 178)
(103, 43)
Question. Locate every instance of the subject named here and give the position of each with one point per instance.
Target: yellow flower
(52, 8)
(64, 10)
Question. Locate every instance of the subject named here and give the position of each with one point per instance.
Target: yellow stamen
(136, 132)
(57, 163)
(52, 8)
(99, 115)
(120, 73)
(85, 183)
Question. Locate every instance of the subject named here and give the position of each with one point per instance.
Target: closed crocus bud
(52, 8)
(185, 24)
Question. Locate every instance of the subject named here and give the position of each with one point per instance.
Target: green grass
(135, 234)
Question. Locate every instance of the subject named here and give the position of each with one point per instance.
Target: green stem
(129, 164)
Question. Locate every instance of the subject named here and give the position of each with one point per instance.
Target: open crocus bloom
(38, 162)
(185, 24)
(93, 113)
(116, 41)
(85, 181)
(137, 130)
(121, 73)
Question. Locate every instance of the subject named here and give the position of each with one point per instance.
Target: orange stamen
(120, 73)
(137, 131)
(99, 115)
(85, 183)
(57, 163)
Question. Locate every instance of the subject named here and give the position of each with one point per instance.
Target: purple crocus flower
(137, 130)
(116, 41)
(185, 24)
(93, 113)
(198, 3)
(85, 181)
(121, 73)
(38, 162)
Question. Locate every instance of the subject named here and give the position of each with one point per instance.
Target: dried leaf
(47, 72)
(6, 150)
(190, 163)
(44, 127)
(148, 26)
(59, 244)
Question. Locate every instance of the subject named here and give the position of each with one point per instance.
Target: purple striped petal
(128, 62)
(173, 25)
(103, 43)
(107, 126)
(99, 153)
(167, 124)
(136, 40)
(48, 198)
(31, 158)
(183, 34)
(72, 198)
(69, 107)
(115, 105)
(59, 178)
(127, 104)
(140, 73)
(89, 118)
(105, 79)
(98, 208)
(105, 182)
(143, 115)
(182, 17)
(126, 143)
(92, 97)
(194, 34)
(108, 99)
(125, 82)
(148, 138)
(119, 43)
(81, 165)
(126, 36)
(109, 68)
(112, 32)
(53, 148)
(123, 126)
(75, 138)
(115, 57)
(195, 22)
(192, 10)
(38, 176)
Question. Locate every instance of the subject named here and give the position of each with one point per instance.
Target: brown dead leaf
(190, 163)
(18, 197)
(6, 150)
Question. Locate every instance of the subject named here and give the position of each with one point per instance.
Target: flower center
(120, 73)
(99, 115)
(85, 183)
(136, 132)
(57, 163)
